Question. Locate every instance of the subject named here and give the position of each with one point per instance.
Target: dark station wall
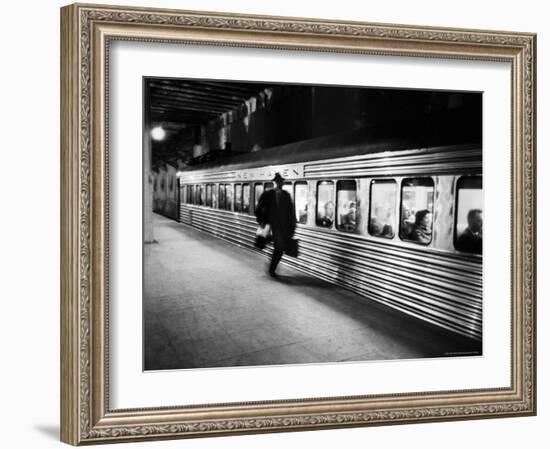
(300, 113)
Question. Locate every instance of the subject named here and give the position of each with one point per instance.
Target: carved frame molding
(87, 31)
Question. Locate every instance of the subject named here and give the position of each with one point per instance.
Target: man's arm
(260, 210)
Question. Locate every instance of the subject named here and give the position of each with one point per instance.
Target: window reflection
(383, 193)
(209, 195)
(238, 197)
(228, 197)
(221, 197)
(300, 202)
(214, 195)
(288, 187)
(258, 190)
(469, 215)
(346, 200)
(325, 204)
(246, 198)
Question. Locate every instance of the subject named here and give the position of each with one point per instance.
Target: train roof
(327, 147)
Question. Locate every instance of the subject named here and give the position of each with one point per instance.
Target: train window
(300, 201)
(325, 204)
(469, 215)
(417, 200)
(268, 186)
(383, 195)
(258, 189)
(228, 197)
(221, 198)
(214, 202)
(238, 197)
(202, 196)
(162, 183)
(288, 187)
(346, 206)
(246, 198)
(209, 195)
(197, 200)
(171, 184)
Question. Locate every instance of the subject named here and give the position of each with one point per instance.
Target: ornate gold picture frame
(87, 32)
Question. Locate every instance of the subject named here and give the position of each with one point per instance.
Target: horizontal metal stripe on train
(470, 261)
(397, 162)
(434, 298)
(451, 168)
(197, 177)
(424, 256)
(395, 159)
(411, 152)
(446, 304)
(398, 166)
(431, 275)
(403, 263)
(391, 277)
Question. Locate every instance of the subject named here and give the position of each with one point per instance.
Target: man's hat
(278, 177)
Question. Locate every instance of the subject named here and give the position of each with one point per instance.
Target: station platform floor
(209, 303)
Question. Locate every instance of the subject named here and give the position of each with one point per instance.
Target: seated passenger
(407, 222)
(348, 219)
(302, 214)
(471, 239)
(328, 216)
(422, 229)
(379, 225)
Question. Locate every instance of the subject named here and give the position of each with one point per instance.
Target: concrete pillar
(148, 232)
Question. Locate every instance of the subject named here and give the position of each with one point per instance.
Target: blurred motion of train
(165, 191)
(386, 219)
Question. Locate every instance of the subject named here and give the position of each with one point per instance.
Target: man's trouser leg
(278, 247)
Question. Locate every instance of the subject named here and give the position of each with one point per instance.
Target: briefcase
(292, 248)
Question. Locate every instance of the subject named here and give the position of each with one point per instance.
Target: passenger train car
(386, 219)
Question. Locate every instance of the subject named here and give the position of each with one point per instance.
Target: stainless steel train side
(433, 282)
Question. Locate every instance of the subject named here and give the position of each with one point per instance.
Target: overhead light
(158, 133)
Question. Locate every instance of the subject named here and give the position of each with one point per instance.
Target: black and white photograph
(298, 224)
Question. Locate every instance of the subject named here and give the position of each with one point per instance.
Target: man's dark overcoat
(279, 216)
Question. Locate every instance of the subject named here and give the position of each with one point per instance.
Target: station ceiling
(194, 103)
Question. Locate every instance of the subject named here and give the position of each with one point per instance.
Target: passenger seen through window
(383, 193)
(469, 215)
(346, 200)
(417, 195)
(325, 204)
